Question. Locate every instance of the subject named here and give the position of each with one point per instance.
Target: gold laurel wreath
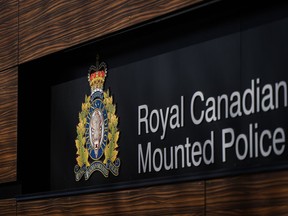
(80, 141)
(110, 150)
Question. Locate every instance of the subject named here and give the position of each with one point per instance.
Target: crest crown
(96, 77)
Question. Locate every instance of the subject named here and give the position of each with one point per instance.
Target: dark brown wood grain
(8, 207)
(8, 33)
(175, 199)
(143, 10)
(49, 26)
(256, 194)
(8, 124)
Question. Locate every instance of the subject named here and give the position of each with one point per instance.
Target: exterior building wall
(30, 29)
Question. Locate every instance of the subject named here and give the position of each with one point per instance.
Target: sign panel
(214, 108)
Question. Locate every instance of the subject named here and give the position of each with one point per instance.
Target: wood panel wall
(8, 33)
(8, 207)
(258, 194)
(8, 89)
(49, 26)
(8, 124)
(175, 199)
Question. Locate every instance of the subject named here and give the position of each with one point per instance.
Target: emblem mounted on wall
(97, 131)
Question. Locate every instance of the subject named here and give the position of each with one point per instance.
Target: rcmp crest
(97, 131)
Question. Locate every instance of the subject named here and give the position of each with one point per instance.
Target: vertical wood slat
(8, 124)
(8, 33)
(255, 194)
(8, 207)
(49, 26)
(175, 199)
